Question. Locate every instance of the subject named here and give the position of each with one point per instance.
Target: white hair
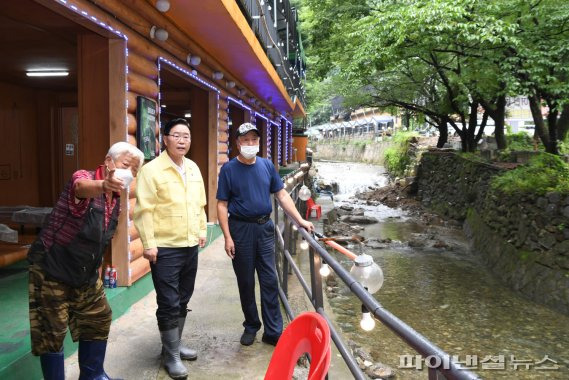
(123, 147)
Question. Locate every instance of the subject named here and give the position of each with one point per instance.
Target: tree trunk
(540, 127)
(499, 117)
(552, 126)
(443, 132)
(472, 122)
(563, 123)
(482, 126)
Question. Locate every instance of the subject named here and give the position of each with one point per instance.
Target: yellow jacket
(167, 212)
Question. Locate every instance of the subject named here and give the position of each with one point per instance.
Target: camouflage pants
(54, 306)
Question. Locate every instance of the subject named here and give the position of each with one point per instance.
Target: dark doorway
(261, 124)
(236, 118)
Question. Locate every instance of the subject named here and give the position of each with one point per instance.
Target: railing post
(294, 244)
(290, 242)
(316, 279)
(285, 267)
(278, 249)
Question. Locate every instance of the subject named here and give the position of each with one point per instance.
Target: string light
(193, 74)
(239, 102)
(279, 143)
(367, 323)
(324, 269)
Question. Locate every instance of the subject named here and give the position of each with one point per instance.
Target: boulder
(361, 219)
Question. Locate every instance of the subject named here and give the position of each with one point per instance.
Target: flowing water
(448, 296)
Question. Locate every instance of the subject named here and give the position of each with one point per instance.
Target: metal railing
(286, 241)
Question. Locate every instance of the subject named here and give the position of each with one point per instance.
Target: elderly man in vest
(64, 285)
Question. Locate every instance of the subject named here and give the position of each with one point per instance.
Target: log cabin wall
(135, 19)
(19, 159)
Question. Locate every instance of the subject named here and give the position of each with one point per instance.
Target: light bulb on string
(367, 322)
(304, 193)
(325, 270)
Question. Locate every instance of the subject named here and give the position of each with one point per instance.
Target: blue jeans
(174, 276)
(255, 251)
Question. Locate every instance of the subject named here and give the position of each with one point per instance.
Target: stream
(446, 294)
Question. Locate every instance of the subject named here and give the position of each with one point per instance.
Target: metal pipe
(287, 307)
(342, 348)
(340, 345)
(404, 331)
(296, 271)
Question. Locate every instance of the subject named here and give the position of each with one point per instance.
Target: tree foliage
(445, 59)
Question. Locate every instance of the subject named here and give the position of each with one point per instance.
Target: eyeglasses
(179, 137)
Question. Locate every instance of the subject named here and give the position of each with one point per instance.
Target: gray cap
(246, 128)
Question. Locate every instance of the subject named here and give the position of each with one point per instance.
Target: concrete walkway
(213, 328)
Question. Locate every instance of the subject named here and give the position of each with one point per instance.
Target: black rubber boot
(52, 366)
(91, 359)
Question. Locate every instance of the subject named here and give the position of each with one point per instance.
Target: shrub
(519, 141)
(397, 156)
(544, 173)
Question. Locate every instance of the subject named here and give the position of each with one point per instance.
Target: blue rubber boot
(52, 366)
(91, 359)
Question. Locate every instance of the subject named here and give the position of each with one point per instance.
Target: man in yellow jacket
(170, 217)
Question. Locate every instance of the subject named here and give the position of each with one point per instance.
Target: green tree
(447, 59)
(537, 58)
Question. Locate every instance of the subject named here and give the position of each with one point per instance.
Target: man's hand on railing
(307, 225)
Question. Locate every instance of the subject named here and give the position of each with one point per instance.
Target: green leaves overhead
(442, 57)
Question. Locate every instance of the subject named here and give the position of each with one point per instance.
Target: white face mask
(125, 175)
(249, 151)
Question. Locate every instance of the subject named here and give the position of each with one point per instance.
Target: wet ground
(447, 295)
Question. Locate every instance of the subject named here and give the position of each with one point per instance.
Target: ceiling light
(163, 5)
(217, 75)
(47, 73)
(188, 115)
(193, 60)
(158, 33)
(230, 84)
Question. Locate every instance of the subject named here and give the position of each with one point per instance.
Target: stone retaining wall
(350, 150)
(524, 239)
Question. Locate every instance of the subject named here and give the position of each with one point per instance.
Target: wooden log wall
(222, 131)
(134, 18)
(142, 81)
